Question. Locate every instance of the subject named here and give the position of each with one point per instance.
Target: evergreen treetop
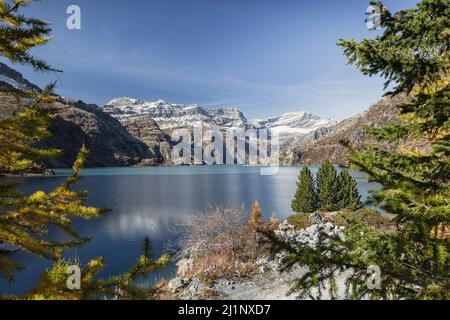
(348, 196)
(147, 248)
(327, 186)
(305, 199)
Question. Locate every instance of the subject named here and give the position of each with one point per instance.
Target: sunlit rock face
(169, 116)
(324, 143)
(174, 116)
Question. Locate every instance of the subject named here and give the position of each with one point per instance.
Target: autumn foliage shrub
(224, 241)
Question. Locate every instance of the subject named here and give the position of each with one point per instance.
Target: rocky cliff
(108, 141)
(324, 144)
(144, 128)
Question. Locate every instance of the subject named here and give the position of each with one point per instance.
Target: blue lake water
(150, 201)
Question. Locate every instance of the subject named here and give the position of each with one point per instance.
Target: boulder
(184, 266)
(196, 287)
(178, 283)
(285, 229)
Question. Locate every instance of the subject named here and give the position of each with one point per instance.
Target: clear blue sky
(265, 57)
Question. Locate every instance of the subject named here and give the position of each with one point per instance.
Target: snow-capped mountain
(289, 126)
(173, 116)
(11, 78)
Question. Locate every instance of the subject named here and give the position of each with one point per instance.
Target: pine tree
(413, 54)
(305, 199)
(348, 195)
(327, 186)
(26, 219)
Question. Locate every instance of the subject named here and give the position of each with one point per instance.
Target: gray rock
(264, 260)
(313, 229)
(210, 270)
(321, 230)
(178, 283)
(196, 286)
(263, 269)
(315, 218)
(285, 229)
(184, 266)
(285, 226)
(328, 227)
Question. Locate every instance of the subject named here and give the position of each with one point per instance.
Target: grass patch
(368, 216)
(299, 220)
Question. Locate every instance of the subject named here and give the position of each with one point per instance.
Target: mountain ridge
(170, 116)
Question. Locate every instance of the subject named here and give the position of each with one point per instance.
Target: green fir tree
(348, 195)
(305, 199)
(327, 186)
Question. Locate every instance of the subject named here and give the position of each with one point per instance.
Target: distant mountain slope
(79, 123)
(11, 78)
(291, 126)
(175, 116)
(144, 128)
(169, 116)
(324, 143)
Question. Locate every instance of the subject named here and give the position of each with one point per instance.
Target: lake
(150, 201)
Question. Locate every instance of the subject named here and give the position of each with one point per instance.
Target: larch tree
(26, 220)
(256, 219)
(147, 248)
(413, 55)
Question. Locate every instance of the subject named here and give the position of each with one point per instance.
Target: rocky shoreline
(267, 280)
